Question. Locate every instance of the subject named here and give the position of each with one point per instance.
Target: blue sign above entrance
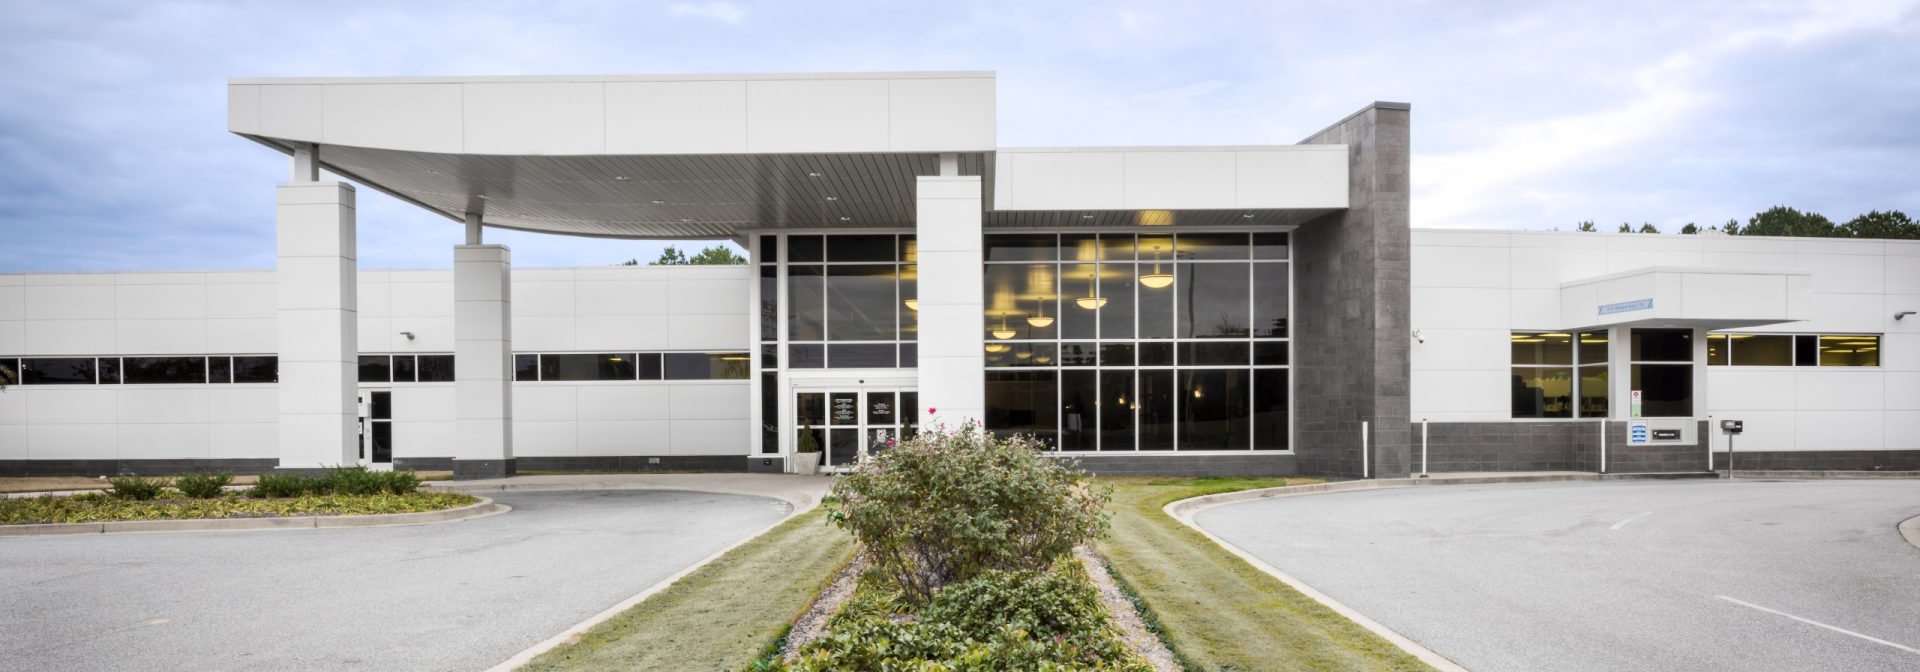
(1626, 306)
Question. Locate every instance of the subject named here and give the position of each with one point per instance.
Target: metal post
(1603, 445)
(1729, 457)
(1364, 473)
(1423, 447)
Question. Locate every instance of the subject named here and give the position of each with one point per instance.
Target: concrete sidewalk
(803, 492)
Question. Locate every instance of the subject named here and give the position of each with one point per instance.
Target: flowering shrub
(946, 506)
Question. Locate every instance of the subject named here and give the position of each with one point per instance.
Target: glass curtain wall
(853, 302)
(1139, 341)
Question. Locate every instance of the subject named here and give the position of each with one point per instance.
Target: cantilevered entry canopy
(708, 156)
(1670, 296)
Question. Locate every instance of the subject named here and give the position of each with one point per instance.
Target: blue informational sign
(1637, 433)
(1626, 306)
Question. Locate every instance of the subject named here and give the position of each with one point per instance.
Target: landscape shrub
(947, 506)
(282, 485)
(337, 481)
(136, 488)
(1022, 620)
(203, 486)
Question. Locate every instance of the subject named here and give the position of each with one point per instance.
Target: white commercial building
(1252, 309)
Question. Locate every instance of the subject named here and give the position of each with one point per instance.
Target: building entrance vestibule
(848, 424)
(376, 429)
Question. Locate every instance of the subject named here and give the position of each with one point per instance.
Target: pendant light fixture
(1040, 320)
(913, 305)
(1023, 354)
(1003, 333)
(1090, 302)
(1156, 279)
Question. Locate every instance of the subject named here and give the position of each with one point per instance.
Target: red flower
(931, 410)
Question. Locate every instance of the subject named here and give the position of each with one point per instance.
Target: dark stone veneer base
(1822, 460)
(605, 463)
(138, 467)
(1175, 464)
(467, 470)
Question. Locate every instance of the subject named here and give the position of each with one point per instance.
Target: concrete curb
(1804, 473)
(526, 656)
(1911, 531)
(484, 507)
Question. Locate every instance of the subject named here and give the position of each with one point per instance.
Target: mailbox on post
(1730, 426)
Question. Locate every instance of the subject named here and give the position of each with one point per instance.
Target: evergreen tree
(1689, 229)
(1647, 227)
(1626, 228)
(1892, 225)
(1780, 220)
(1587, 226)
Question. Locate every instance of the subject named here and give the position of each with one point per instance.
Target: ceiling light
(615, 359)
(685, 221)
(1040, 319)
(733, 358)
(1023, 354)
(833, 198)
(913, 304)
(998, 347)
(1091, 302)
(1156, 217)
(481, 196)
(621, 178)
(1156, 279)
(1247, 216)
(1003, 333)
(844, 218)
(1196, 393)
(1529, 340)
(813, 173)
(1042, 359)
(1086, 216)
(659, 202)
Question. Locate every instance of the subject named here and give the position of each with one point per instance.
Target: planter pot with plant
(806, 453)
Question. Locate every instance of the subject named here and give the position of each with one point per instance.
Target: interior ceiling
(708, 196)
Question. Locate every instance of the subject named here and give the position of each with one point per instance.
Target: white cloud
(726, 12)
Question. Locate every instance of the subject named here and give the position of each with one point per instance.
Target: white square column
(952, 359)
(482, 347)
(318, 325)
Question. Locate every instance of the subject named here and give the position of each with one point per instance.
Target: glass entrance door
(846, 425)
(376, 429)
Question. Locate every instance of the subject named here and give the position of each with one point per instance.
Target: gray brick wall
(1509, 446)
(1654, 458)
(141, 467)
(1824, 460)
(1174, 464)
(1351, 321)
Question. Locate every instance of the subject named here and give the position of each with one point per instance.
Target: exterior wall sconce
(407, 334)
(1901, 315)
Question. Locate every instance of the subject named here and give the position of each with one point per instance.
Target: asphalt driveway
(453, 596)
(1639, 575)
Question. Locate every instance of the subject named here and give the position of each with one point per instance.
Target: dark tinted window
(860, 356)
(1079, 354)
(769, 412)
(1213, 409)
(1270, 352)
(256, 369)
(109, 370)
(1026, 247)
(1666, 390)
(1269, 246)
(597, 366)
(806, 356)
(436, 368)
(769, 249)
(706, 366)
(1663, 345)
(1156, 354)
(1270, 409)
(805, 248)
(1806, 350)
(403, 368)
(806, 319)
(1022, 402)
(769, 355)
(57, 371)
(1211, 246)
(163, 370)
(376, 369)
(1079, 409)
(1762, 350)
(1270, 299)
(1116, 354)
(1156, 409)
(1115, 301)
(909, 355)
(861, 248)
(526, 367)
(860, 303)
(1213, 354)
(219, 369)
(647, 365)
(1116, 410)
(769, 303)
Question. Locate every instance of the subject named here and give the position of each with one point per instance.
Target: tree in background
(718, 255)
(1732, 227)
(1689, 229)
(1587, 226)
(1780, 220)
(1626, 228)
(1892, 224)
(1647, 227)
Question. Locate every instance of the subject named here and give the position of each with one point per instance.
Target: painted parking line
(1623, 523)
(1809, 621)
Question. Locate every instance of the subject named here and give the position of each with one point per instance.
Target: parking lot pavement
(1640, 575)
(453, 596)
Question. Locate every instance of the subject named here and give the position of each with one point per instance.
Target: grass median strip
(1216, 611)
(722, 616)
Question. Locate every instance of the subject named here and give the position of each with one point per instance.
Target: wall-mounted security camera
(1417, 337)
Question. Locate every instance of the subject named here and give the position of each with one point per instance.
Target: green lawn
(724, 615)
(1219, 612)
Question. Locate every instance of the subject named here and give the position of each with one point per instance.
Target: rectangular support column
(318, 325)
(952, 362)
(482, 347)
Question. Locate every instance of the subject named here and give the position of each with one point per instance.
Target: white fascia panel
(1172, 178)
(555, 118)
(293, 112)
(935, 115)
(1059, 181)
(1178, 180)
(702, 117)
(1311, 176)
(413, 117)
(243, 108)
(817, 116)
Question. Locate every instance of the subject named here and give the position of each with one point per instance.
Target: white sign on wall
(1635, 406)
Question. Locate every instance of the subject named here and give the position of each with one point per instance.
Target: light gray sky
(114, 154)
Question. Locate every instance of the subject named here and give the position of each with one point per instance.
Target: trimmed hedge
(93, 508)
